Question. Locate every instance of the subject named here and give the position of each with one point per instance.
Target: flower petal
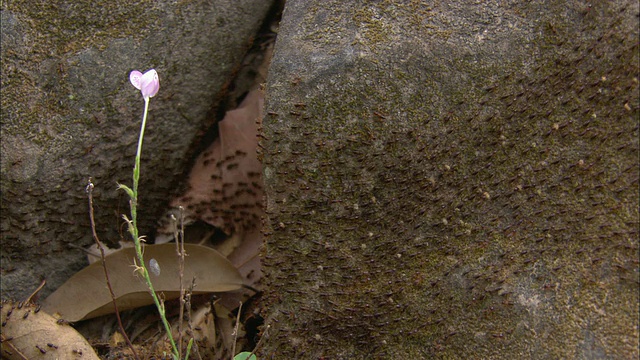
(149, 84)
(135, 77)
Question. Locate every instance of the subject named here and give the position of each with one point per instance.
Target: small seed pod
(154, 266)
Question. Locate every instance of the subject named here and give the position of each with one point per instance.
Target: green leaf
(126, 189)
(244, 356)
(186, 357)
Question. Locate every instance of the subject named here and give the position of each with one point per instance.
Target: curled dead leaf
(85, 295)
(225, 192)
(28, 333)
(214, 330)
(225, 183)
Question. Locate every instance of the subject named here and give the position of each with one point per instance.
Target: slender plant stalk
(264, 335)
(35, 292)
(187, 302)
(179, 236)
(133, 229)
(89, 190)
(235, 331)
(189, 345)
(181, 255)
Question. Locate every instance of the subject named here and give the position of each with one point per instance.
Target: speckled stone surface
(69, 113)
(452, 180)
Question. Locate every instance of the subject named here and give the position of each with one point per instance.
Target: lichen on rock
(464, 188)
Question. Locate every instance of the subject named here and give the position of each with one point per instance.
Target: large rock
(69, 113)
(453, 180)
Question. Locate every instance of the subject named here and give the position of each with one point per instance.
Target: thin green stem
(136, 168)
(133, 229)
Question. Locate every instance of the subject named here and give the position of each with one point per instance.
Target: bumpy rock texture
(69, 113)
(453, 180)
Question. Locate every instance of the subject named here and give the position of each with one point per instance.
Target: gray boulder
(452, 180)
(70, 113)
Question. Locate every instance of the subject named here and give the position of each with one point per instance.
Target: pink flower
(148, 83)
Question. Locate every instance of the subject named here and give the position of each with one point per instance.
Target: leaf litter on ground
(28, 333)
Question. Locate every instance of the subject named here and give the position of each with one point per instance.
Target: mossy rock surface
(452, 180)
(70, 113)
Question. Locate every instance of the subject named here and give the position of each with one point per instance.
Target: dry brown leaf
(204, 327)
(246, 258)
(225, 191)
(28, 333)
(215, 332)
(226, 327)
(85, 295)
(225, 183)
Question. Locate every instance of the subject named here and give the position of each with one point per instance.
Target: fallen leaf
(225, 191)
(225, 183)
(85, 295)
(204, 328)
(246, 258)
(28, 333)
(213, 331)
